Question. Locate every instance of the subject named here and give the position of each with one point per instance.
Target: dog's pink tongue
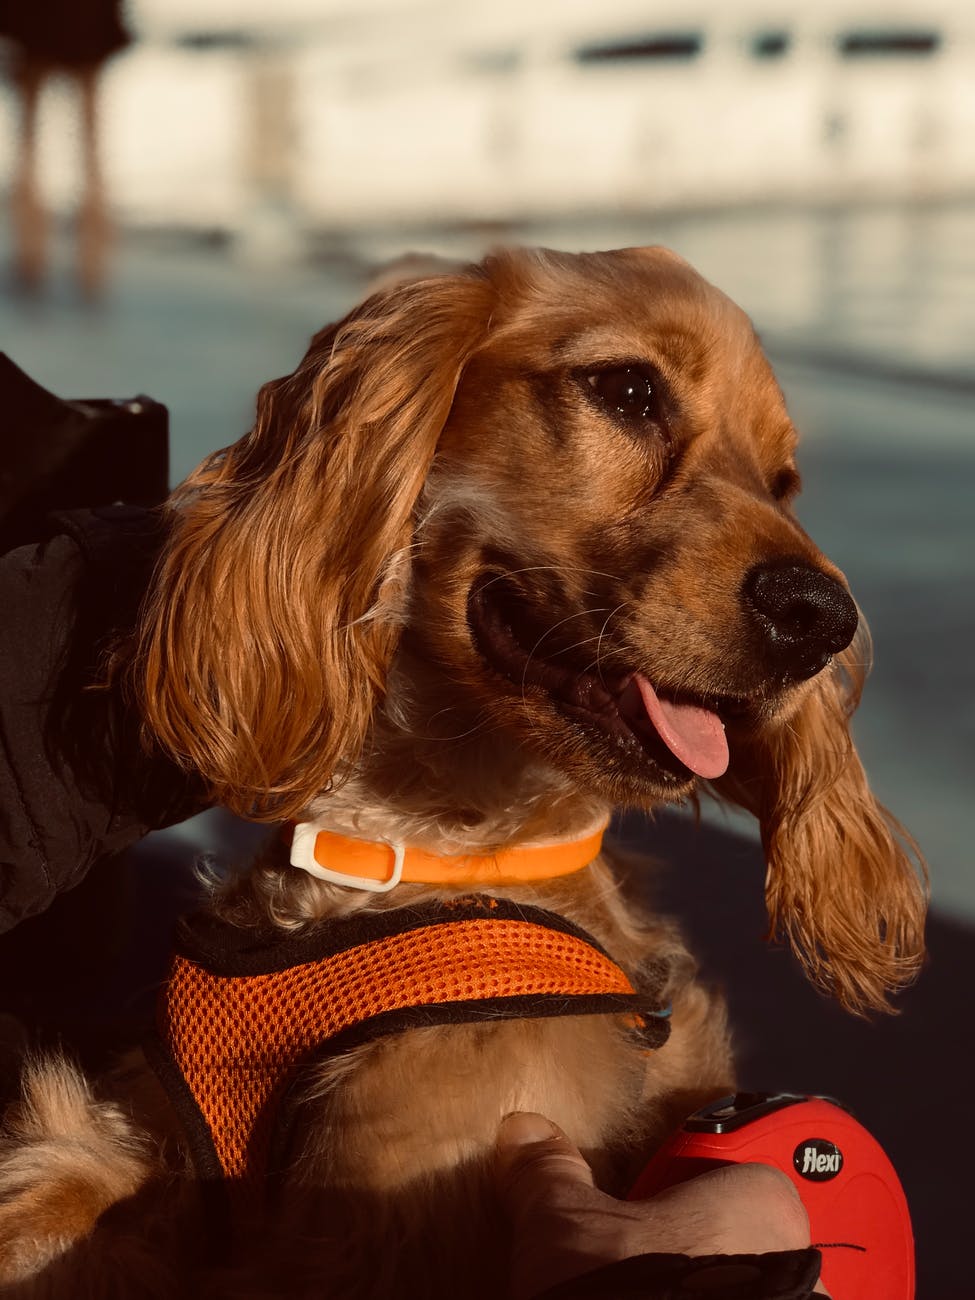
(692, 734)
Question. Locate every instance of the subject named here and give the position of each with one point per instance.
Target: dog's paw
(65, 1158)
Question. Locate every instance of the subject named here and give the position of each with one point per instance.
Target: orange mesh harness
(239, 1020)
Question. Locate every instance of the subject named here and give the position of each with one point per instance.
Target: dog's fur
(327, 630)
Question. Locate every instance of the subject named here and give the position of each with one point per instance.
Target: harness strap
(239, 1021)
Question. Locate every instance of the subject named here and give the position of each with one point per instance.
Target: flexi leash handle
(858, 1215)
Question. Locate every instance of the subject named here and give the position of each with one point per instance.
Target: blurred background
(185, 212)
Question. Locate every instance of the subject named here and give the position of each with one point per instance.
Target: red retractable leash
(858, 1214)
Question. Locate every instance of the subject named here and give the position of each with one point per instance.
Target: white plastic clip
(303, 856)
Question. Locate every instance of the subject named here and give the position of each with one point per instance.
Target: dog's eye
(627, 390)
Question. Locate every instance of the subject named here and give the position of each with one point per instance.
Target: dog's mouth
(682, 734)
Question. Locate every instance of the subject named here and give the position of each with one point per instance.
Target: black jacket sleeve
(781, 1275)
(75, 784)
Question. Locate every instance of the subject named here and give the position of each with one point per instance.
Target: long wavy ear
(846, 884)
(274, 613)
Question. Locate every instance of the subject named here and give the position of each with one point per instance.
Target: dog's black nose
(805, 615)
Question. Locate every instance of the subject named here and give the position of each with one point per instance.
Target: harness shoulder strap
(239, 1019)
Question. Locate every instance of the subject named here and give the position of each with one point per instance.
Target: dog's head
(563, 484)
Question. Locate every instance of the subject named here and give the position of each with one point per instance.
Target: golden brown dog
(512, 546)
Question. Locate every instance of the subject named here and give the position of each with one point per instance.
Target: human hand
(564, 1225)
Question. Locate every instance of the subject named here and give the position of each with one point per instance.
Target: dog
(513, 546)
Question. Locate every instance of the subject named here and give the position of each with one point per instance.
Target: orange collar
(378, 866)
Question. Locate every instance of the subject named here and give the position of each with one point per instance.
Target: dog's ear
(845, 882)
(276, 607)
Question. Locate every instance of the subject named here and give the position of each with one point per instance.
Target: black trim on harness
(230, 950)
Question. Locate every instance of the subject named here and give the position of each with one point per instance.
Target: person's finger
(537, 1163)
(564, 1225)
(546, 1190)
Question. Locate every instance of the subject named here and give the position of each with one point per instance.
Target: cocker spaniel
(513, 546)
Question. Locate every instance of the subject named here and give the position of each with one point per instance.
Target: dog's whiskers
(560, 568)
(578, 614)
